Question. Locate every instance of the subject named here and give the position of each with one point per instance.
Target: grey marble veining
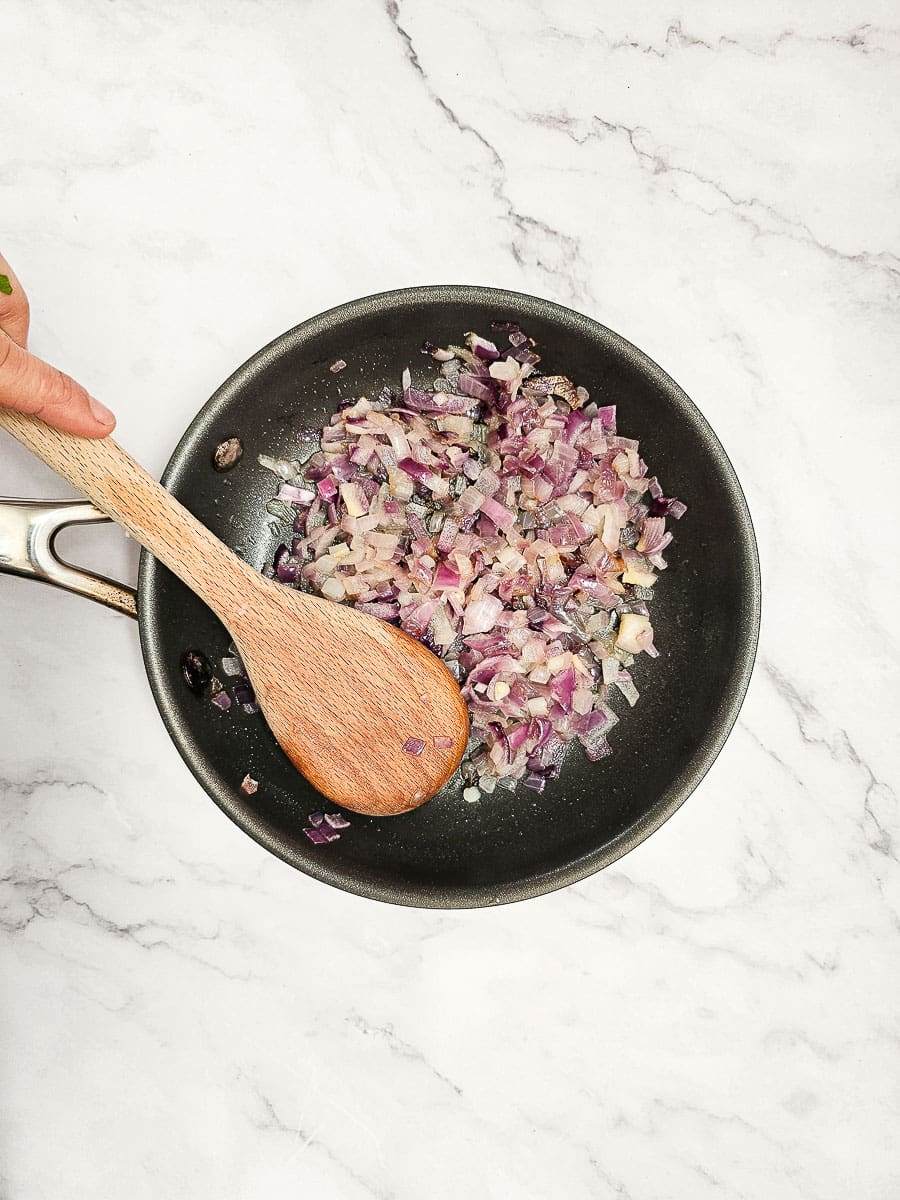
(713, 1016)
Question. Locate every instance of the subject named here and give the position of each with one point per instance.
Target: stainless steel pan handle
(28, 529)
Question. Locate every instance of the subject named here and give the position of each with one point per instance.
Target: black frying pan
(508, 846)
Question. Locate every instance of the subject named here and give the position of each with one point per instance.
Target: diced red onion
(445, 577)
(288, 569)
(437, 402)
(488, 481)
(336, 820)
(471, 500)
(447, 540)
(502, 519)
(295, 495)
(482, 615)
(481, 347)
(476, 388)
(664, 506)
(244, 696)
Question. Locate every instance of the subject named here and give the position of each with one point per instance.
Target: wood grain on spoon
(342, 692)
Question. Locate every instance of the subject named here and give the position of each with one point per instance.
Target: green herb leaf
(5, 285)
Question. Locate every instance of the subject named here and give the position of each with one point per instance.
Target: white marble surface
(716, 1014)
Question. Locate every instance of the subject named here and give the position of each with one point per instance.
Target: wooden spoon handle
(123, 490)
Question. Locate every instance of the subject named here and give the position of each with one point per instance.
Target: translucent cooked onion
(497, 515)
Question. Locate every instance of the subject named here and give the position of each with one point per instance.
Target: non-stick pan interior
(510, 845)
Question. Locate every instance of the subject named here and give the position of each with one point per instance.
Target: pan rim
(327, 870)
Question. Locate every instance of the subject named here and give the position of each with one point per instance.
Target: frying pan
(449, 853)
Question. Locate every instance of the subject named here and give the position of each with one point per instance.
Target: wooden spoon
(342, 692)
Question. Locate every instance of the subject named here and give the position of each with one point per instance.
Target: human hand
(30, 385)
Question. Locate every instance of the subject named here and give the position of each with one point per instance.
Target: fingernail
(100, 412)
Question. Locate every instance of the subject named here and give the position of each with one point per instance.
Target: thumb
(30, 385)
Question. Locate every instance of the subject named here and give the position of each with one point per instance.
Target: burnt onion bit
(228, 454)
(196, 671)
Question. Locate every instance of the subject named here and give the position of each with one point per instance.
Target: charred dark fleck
(228, 454)
(196, 671)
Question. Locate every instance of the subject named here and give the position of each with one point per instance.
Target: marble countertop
(715, 1015)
